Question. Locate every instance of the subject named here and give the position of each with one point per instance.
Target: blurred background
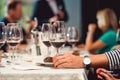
(80, 12)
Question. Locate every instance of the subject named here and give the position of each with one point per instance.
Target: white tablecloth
(45, 73)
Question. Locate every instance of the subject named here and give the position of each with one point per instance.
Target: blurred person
(107, 22)
(48, 11)
(103, 74)
(14, 13)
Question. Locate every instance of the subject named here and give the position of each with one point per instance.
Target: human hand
(52, 19)
(92, 27)
(104, 75)
(68, 61)
(61, 14)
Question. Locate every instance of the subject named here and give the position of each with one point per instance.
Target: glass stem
(57, 50)
(49, 52)
(13, 55)
(73, 46)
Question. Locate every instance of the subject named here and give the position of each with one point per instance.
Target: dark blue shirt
(5, 20)
(4, 47)
(43, 12)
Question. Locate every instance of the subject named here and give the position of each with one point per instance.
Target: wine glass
(58, 34)
(13, 36)
(118, 36)
(2, 37)
(45, 35)
(2, 34)
(72, 36)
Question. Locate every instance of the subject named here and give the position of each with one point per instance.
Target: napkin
(23, 67)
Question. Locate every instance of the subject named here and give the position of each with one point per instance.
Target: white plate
(45, 63)
(39, 60)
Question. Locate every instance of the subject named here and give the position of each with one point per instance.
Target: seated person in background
(14, 13)
(48, 11)
(104, 75)
(107, 22)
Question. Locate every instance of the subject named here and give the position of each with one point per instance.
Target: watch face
(87, 61)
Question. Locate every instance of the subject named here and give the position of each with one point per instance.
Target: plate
(39, 60)
(45, 64)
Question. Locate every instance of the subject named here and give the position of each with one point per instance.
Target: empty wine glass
(13, 36)
(46, 35)
(72, 36)
(58, 34)
(118, 36)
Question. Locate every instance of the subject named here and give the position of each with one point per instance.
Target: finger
(101, 70)
(100, 77)
(56, 58)
(98, 70)
(64, 65)
(110, 75)
(62, 61)
(105, 71)
(105, 76)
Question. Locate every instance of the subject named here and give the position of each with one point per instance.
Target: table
(46, 73)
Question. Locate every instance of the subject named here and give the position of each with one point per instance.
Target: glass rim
(12, 24)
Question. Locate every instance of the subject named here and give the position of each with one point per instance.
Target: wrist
(87, 62)
(81, 64)
(90, 33)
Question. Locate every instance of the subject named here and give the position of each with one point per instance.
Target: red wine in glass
(57, 44)
(47, 43)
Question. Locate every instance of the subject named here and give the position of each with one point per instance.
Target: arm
(90, 45)
(93, 46)
(99, 61)
(71, 61)
(110, 59)
(63, 13)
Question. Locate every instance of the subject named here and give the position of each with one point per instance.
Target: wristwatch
(87, 62)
